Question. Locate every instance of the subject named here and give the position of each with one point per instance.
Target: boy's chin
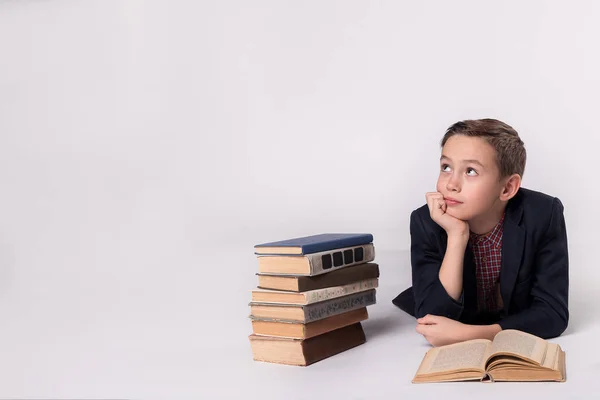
(457, 215)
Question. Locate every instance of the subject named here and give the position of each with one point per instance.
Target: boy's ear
(511, 187)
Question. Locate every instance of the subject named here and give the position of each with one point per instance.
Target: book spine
(315, 296)
(336, 244)
(327, 261)
(324, 309)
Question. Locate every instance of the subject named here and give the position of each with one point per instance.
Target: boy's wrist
(458, 238)
(481, 331)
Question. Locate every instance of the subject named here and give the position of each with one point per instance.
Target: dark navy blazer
(534, 274)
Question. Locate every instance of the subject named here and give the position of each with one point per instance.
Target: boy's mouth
(452, 202)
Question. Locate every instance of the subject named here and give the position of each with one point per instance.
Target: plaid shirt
(487, 252)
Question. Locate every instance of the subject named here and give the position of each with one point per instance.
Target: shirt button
(484, 259)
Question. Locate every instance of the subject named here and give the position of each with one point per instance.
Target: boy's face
(469, 177)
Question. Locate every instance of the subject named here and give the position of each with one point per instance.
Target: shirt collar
(494, 237)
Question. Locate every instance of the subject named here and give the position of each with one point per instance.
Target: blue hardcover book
(314, 243)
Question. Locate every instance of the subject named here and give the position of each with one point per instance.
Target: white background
(146, 146)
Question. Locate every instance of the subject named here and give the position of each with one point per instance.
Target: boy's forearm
(451, 271)
(482, 331)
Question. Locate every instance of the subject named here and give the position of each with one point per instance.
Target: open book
(512, 356)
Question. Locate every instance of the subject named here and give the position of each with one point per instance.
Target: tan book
(316, 263)
(308, 351)
(312, 312)
(304, 283)
(312, 296)
(299, 330)
(512, 356)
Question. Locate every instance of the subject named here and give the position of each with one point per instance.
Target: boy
(486, 254)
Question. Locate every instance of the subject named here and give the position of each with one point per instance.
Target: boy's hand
(440, 331)
(437, 210)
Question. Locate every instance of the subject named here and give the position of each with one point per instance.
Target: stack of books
(312, 296)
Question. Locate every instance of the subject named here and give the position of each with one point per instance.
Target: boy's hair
(510, 149)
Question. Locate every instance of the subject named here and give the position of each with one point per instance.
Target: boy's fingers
(431, 205)
(435, 204)
(444, 206)
(428, 319)
(433, 195)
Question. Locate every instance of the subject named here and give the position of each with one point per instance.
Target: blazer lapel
(469, 284)
(513, 243)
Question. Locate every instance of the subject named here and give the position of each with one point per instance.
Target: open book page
(520, 343)
(552, 356)
(458, 356)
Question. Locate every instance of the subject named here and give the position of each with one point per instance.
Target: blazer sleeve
(426, 260)
(548, 315)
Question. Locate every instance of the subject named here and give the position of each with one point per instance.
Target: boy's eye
(471, 172)
(445, 168)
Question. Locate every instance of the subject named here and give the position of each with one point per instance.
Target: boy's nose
(453, 185)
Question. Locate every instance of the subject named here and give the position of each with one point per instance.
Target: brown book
(308, 351)
(337, 277)
(313, 312)
(512, 356)
(298, 330)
